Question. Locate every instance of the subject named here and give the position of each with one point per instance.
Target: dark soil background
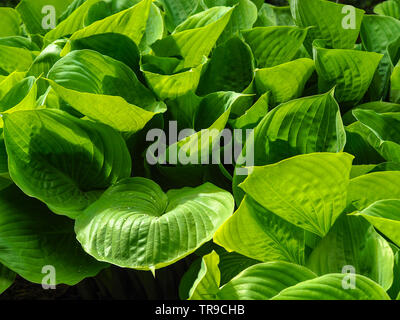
(89, 288)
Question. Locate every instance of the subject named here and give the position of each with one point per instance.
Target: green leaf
(177, 11)
(91, 83)
(259, 234)
(202, 18)
(350, 71)
(62, 160)
(294, 128)
(172, 225)
(330, 287)
(270, 15)
(43, 63)
(15, 59)
(74, 22)
(231, 68)
(357, 144)
(285, 81)
(130, 22)
(206, 285)
(388, 8)
(264, 281)
(32, 14)
(31, 238)
(154, 29)
(253, 115)
(377, 32)
(338, 24)
(7, 278)
(192, 44)
(211, 118)
(243, 17)
(395, 85)
(232, 263)
(384, 215)
(21, 97)
(385, 137)
(10, 22)
(317, 192)
(114, 45)
(272, 46)
(367, 189)
(172, 86)
(354, 242)
(377, 106)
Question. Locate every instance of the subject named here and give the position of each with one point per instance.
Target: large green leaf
(231, 68)
(135, 224)
(274, 45)
(264, 281)
(192, 44)
(31, 238)
(307, 190)
(367, 189)
(286, 81)
(62, 160)
(385, 132)
(259, 234)
(330, 287)
(10, 22)
(385, 216)
(294, 128)
(130, 22)
(377, 32)
(350, 71)
(354, 242)
(32, 14)
(104, 89)
(337, 24)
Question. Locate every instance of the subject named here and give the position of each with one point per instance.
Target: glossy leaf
(286, 81)
(259, 234)
(61, 160)
(316, 197)
(172, 225)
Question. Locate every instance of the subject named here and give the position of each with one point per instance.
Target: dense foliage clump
(251, 150)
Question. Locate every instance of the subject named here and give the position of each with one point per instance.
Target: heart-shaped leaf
(135, 224)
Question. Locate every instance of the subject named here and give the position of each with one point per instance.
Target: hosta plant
(302, 201)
